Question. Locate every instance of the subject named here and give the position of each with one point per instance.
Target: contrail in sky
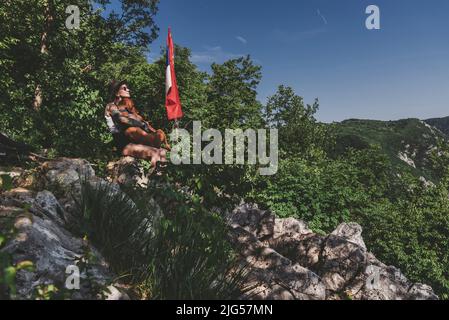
(322, 17)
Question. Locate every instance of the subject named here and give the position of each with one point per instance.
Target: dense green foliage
(71, 68)
(327, 173)
(412, 233)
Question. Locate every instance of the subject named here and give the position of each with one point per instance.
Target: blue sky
(322, 49)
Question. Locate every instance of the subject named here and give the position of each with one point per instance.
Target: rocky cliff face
(289, 261)
(285, 259)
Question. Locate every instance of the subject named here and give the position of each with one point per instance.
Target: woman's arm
(124, 118)
(137, 115)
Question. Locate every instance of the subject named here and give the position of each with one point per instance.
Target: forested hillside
(408, 143)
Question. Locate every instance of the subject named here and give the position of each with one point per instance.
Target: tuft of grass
(113, 222)
(167, 244)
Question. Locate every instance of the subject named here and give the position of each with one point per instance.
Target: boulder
(61, 176)
(48, 202)
(271, 275)
(378, 281)
(304, 249)
(127, 171)
(351, 232)
(290, 227)
(252, 219)
(340, 262)
(66, 173)
(51, 249)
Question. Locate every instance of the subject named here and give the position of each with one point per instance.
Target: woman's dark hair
(114, 87)
(128, 103)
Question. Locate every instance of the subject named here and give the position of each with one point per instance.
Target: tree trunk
(37, 101)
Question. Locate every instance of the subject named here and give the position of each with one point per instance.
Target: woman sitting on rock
(133, 135)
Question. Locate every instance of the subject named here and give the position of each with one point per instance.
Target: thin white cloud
(320, 15)
(213, 54)
(241, 39)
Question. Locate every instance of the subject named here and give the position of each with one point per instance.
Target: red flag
(172, 101)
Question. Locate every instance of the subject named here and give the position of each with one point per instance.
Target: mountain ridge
(408, 143)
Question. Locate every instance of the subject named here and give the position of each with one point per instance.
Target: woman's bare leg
(145, 152)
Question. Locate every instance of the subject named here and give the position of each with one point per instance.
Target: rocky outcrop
(288, 261)
(126, 171)
(40, 227)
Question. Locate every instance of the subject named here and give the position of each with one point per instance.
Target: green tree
(300, 134)
(231, 95)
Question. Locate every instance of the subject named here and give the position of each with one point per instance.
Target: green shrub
(322, 194)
